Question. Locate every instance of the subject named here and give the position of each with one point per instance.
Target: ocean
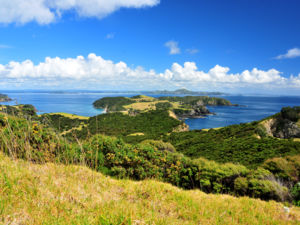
(80, 103)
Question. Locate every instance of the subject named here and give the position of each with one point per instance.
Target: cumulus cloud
(292, 53)
(173, 46)
(47, 11)
(94, 72)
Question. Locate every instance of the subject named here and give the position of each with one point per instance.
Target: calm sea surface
(80, 103)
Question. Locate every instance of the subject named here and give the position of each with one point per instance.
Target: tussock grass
(58, 194)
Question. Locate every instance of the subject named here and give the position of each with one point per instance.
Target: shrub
(241, 185)
(160, 145)
(296, 194)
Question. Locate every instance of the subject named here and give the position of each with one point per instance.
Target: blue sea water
(80, 103)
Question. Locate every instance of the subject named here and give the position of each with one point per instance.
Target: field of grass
(71, 116)
(58, 194)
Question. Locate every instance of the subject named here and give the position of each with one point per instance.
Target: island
(184, 91)
(181, 107)
(4, 98)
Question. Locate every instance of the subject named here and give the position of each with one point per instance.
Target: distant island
(4, 98)
(184, 91)
(182, 107)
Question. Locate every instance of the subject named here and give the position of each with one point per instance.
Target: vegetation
(198, 100)
(18, 110)
(188, 105)
(242, 144)
(112, 103)
(264, 174)
(291, 113)
(58, 194)
(28, 140)
(62, 122)
(153, 124)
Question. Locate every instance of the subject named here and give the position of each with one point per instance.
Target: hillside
(188, 106)
(270, 169)
(58, 194)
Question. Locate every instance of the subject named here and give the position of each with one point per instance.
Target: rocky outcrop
(287, 129)
(198, 111)
(281, 128)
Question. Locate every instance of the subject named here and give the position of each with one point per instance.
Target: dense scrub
(112, 103)
(61, 122)
(152, 125)
(237, 143)
(28, 140)
(18, 110)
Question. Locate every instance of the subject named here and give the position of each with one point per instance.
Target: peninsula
(182, 107)
(4, 98)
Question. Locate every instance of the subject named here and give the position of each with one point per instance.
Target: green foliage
(236, 143)
(287, 169)
(163, 105)
(291, 113)
(160, 145)
(19, 110)
(296, 194)
(241, 185)
(113, 104)
(60, 122)
(28, 140)
(153, 124)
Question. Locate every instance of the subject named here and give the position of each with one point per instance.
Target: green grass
(58, 194)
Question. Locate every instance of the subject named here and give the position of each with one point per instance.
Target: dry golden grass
(58, 194)
(137, 134)
(72, 116)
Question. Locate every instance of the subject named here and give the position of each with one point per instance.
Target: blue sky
(165, 44)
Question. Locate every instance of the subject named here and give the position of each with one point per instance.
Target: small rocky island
(181, 107)
(4, 98)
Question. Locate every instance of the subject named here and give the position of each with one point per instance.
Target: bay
(80, 103)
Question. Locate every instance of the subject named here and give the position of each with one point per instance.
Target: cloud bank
(292, 53)
(94, 72)
(47, 11)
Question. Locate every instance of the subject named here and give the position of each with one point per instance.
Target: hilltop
(188, 106)
(59, 194)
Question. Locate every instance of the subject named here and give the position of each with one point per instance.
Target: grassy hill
(59, 194)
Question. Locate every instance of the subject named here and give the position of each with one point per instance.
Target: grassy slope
(56, 194)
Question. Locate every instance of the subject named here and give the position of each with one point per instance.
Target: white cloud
(192, 51)
(47, 11)
(292, 53)
(110, 36)
(173, 46)
(94, 72)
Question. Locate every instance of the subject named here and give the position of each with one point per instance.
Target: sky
(237, 46)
